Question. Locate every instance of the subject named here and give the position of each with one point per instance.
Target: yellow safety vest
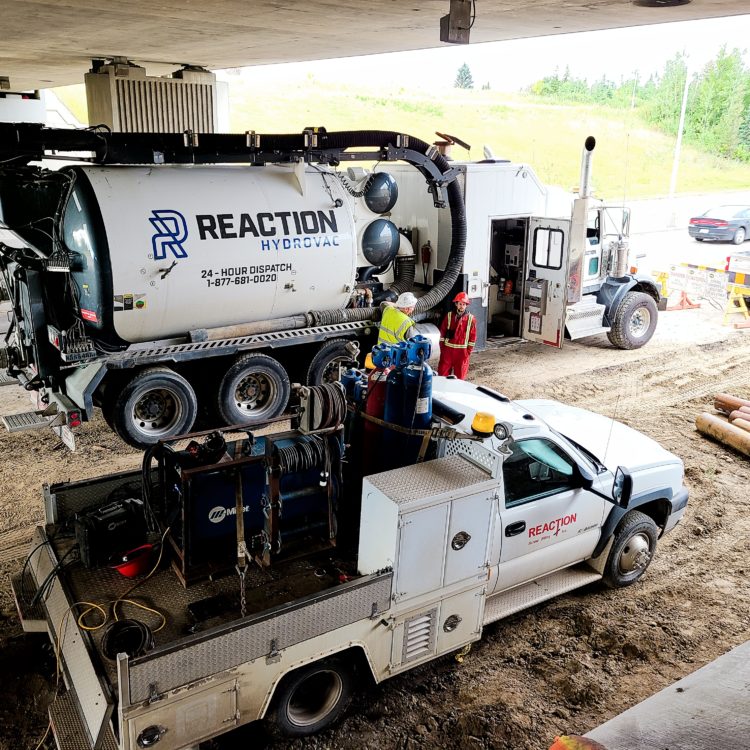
(393, 326)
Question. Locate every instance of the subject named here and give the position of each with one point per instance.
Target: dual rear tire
(159, 403)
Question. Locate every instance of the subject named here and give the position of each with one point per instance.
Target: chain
(243, 599)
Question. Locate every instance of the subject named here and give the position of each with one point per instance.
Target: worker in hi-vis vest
(458, 334)
(396, 325)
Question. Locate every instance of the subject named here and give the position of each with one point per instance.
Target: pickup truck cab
(573, 483)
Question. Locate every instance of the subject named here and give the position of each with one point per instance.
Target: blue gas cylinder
(381, 356)
(400, 354)
(417, 404)
(350, 379)
(418, 349)
(394, 396)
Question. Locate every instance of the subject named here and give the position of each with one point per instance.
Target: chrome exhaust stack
(584, 191)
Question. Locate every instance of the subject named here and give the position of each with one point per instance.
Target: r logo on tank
(171, 232)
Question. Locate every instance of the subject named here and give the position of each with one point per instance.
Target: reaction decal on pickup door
(552, 527)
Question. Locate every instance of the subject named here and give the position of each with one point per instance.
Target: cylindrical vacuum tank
(159, 251)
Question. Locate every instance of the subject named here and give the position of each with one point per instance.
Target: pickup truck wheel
(313, 697)
(255, 388)
(635, 321)
(632, 550)
(324, 367)
(156, 404)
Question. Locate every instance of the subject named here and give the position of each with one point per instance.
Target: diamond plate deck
(432, 478)
(25, 420)
(6, 379)
(68, 729)
(476, 453)
(509, 602)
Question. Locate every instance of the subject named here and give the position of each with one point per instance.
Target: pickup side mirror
(622, 487)
(586, 477)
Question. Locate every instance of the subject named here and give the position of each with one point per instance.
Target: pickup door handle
(515, 528)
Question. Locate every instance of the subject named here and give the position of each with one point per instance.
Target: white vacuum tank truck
(165, 280)
(178, 275)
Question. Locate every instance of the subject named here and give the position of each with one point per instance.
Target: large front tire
(254, 389)
(632, 550)
(156, 404)
(313, 697)
(635, 321)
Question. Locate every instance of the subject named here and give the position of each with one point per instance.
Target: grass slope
(630, 159)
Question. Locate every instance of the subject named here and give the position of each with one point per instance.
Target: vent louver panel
(164, 106)
(419, 636)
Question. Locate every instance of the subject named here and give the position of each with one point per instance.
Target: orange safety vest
(464, 335)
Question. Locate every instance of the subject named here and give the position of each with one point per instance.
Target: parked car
(728, 223)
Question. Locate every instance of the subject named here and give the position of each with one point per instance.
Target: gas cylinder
(375, 407)
(350, 379)
(392, 442)
(408, 400)
(417, 407)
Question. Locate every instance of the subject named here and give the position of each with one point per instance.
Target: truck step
(68, 729)
(6, 379)
(585, 319)
(32, 618)
(509, 602)
(26, 420)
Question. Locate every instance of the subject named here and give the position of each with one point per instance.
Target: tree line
(717, 118)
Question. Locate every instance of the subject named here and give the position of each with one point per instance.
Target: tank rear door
(545, 287)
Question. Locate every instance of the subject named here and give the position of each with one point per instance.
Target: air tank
(160, 251)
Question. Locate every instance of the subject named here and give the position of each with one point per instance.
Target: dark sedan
(728, 223)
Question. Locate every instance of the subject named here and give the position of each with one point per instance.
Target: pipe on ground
(726, 403)
(727, 434)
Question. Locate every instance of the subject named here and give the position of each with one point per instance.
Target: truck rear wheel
(157, 403)
(632, 550)
(635, 321)
(313, 697)
(325, 364)
(255, 388)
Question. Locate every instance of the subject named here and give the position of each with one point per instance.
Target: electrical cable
(49, 580)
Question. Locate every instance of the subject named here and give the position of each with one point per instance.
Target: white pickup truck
(549, 499)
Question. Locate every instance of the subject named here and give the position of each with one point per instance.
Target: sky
(510, 66)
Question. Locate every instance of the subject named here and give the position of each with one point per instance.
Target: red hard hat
(462, 297)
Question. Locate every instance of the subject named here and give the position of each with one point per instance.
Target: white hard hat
(406, 299)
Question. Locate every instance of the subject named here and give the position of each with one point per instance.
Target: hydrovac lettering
(299, 242)
(230, 226)
(552, 527)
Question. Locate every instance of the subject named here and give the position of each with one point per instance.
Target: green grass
(630, 159)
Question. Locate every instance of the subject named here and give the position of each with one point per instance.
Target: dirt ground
(562, 667)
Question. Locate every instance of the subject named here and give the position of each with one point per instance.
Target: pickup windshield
(600, 467)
